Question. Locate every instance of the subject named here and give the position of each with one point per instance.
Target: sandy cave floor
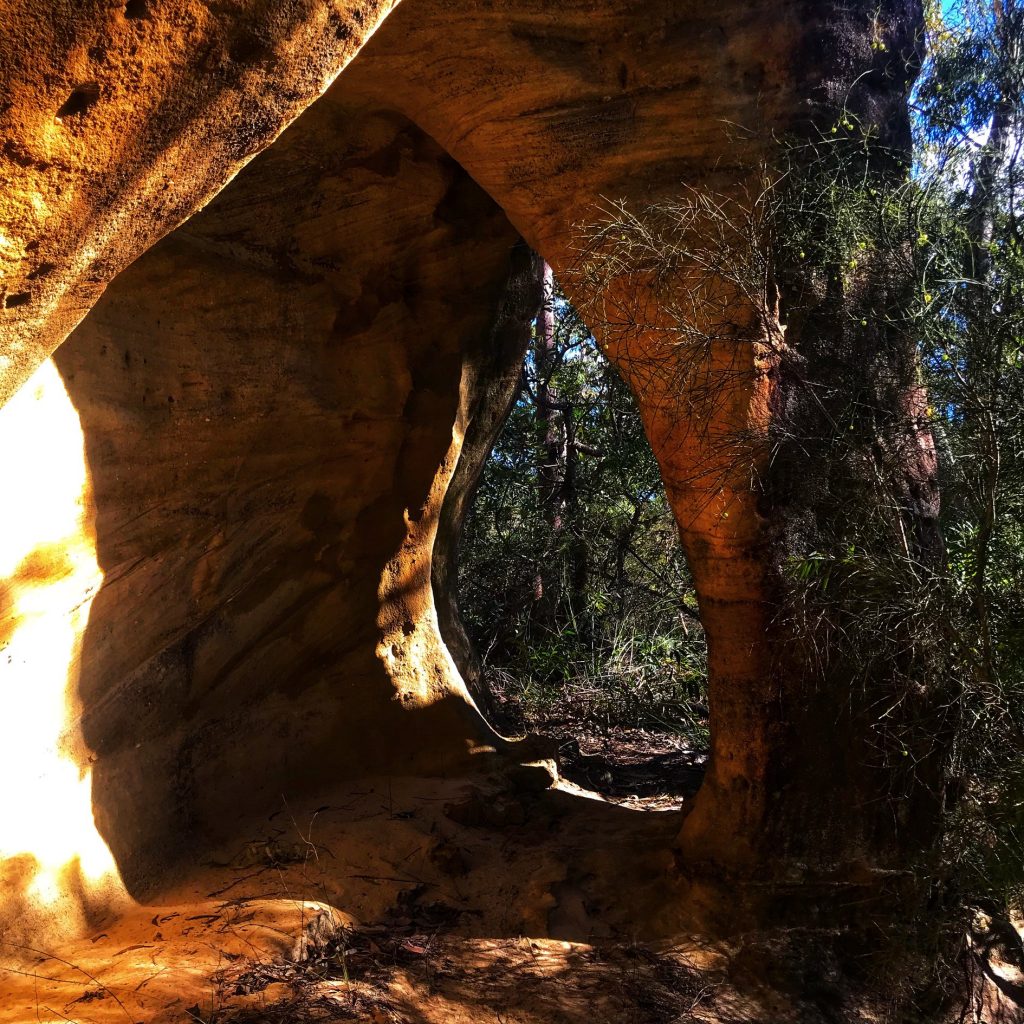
(420, 901)
(399, 900)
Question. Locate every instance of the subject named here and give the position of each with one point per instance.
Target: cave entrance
(573, 586)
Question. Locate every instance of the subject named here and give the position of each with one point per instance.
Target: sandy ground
(396, 900)
(420, 901)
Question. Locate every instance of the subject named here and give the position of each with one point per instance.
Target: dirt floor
(633, 759)
(421, 901)
(396, 900)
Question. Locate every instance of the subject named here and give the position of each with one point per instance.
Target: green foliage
(613, 632)
(971, 329)
(951, 229)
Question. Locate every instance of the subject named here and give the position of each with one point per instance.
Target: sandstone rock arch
(334, 300)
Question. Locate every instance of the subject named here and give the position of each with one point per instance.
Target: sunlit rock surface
(55, 865)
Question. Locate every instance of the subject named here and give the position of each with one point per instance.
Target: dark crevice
(80, 100)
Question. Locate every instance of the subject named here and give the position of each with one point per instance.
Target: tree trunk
(983, 477)
(551, 461)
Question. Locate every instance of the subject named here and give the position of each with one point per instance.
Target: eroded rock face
(272, 400)
(271, 408)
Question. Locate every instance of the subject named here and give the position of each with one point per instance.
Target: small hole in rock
(136, 9)
(18, 299)
(42, 270)
(79, 101)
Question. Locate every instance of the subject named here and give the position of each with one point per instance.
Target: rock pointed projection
(272, 397)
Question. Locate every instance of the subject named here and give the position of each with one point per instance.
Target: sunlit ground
(50, 576)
